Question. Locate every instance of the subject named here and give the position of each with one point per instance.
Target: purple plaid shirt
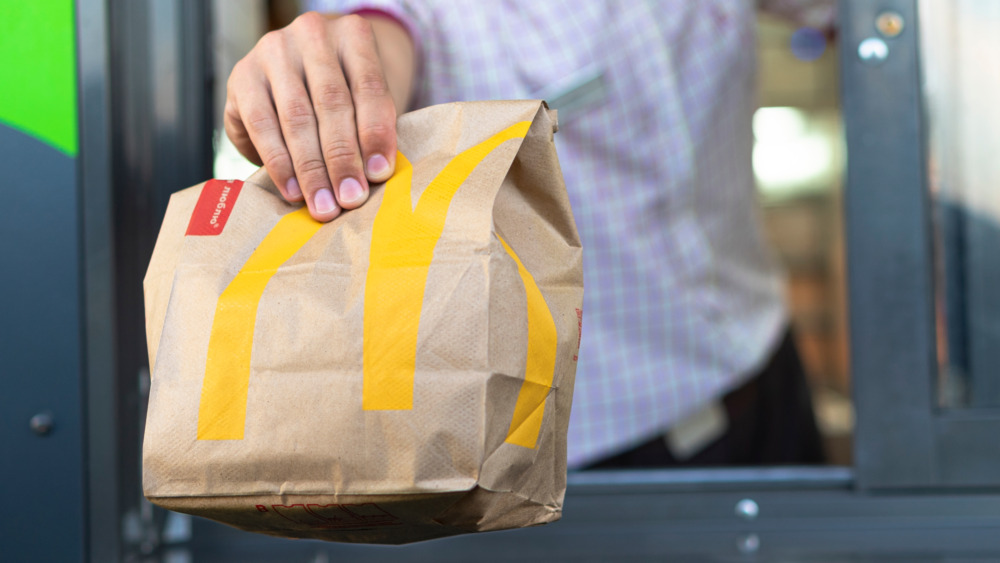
(655, 99)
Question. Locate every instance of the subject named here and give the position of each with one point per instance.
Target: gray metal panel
(950, 219)
(161, 141)
(103, 510)
(968, 449)
(982, 302)
(641, 516)
(40, 353)
(889, 253)
(133, 130)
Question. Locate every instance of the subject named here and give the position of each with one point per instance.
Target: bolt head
(42, 423)
(747, 509)
(889, 24)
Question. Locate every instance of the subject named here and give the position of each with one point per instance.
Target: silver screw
(42, 423)
(873, 51)
(747, 509)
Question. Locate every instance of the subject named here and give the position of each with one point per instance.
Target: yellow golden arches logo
(223, 410)
(403, 240)
(543, 341)
(402, 247)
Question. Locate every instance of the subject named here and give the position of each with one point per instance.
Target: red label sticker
(214, 206)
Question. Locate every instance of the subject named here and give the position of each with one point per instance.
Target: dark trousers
(771, 422)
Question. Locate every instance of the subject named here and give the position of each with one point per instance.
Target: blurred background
(799, 158)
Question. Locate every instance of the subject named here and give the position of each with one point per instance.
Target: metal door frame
(902, 439)
(145, 127)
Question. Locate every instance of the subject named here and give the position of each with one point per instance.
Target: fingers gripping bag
(401, 373)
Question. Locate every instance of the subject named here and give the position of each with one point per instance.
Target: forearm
(398, 57)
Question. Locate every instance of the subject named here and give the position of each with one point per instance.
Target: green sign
(38, 70)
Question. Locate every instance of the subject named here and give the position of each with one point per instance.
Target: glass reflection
(960, 49)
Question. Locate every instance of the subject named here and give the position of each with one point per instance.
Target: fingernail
(323, 200)
(351, 191)
(377, 166)
(292, 188)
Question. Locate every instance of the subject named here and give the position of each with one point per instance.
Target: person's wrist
(398, 44)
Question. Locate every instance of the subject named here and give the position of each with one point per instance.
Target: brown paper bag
(401, 373)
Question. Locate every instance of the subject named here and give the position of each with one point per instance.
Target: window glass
(960, 49)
